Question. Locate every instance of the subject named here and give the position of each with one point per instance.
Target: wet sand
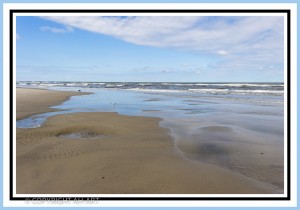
(238, 150)
(107, 153)
(37, 101)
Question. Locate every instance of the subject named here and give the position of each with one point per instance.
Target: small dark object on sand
(79, 90)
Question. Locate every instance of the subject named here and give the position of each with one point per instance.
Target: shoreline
(40, 103)
(98, 152)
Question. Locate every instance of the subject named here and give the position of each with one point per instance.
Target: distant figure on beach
(79, 90)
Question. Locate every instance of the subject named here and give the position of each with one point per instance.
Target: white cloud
(66, 29)
(142, 69)
(249, 39)
(167, 69)
(184, 65)
(222, 52)
(18, 36)
(200, 33)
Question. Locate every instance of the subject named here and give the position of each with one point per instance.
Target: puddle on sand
(81, 135)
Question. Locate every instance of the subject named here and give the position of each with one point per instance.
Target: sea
(272, 89)
(235, 126)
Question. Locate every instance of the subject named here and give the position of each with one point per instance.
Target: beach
(110, 153)
(36, 101)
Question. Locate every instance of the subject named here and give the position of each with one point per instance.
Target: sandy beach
(108, 153)
(36, 101)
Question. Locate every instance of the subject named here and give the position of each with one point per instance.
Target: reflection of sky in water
(123, 102)
(171, 106)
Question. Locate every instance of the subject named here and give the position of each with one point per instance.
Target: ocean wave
(215, 91)
(156, 90)
(264, 92)
(276, 89)
(244, 92)
(241, 84)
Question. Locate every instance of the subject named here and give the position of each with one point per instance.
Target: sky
(150, 48)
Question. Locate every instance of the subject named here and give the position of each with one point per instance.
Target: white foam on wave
(214, 91)
(238, 84)
(266, 92)
(227, 91)
(183, 84)
(156, 90)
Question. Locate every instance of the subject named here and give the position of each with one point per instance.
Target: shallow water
(81, 135)
(242, 133)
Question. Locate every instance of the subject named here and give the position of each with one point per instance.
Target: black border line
(11, 22)
(11, 100)
(148, 11)
(288, 104)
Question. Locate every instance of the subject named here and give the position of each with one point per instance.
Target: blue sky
(150, 48)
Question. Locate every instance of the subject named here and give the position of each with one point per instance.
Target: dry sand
(116, 155)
